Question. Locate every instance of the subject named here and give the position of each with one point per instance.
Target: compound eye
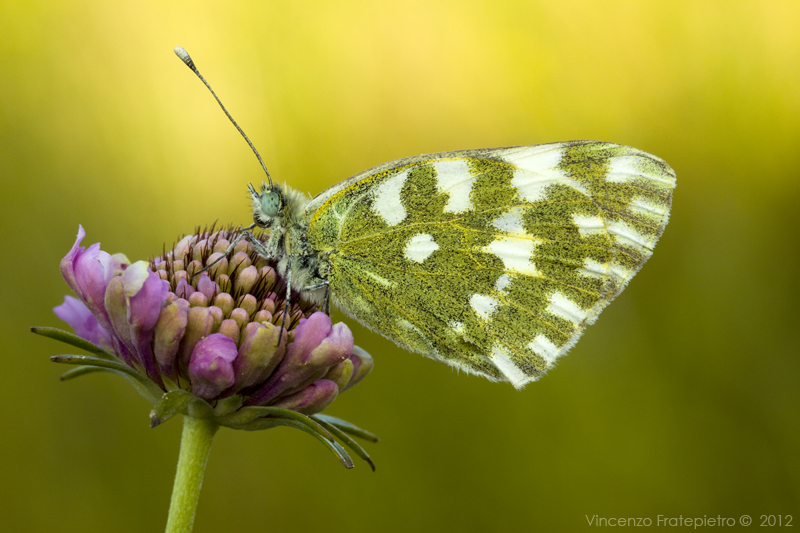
(271, 203)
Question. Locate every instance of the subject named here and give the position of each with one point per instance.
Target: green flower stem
(198, 434)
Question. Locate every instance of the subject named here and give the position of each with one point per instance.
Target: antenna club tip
(184, 55)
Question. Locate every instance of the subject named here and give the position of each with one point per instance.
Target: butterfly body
(493, 261)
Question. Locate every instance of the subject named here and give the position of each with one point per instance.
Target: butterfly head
(267, 204)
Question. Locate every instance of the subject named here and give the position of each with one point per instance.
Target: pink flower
(215, 334)
(75, 313)
(211, 365)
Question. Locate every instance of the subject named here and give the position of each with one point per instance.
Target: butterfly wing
(493, 261)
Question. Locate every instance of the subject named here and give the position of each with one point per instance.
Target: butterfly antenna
(184, 55)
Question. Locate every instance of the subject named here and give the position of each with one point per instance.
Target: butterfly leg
(262, 250)
(245, 234)
(286, 302)
(314, 287)
(325, 307)
(326, 302)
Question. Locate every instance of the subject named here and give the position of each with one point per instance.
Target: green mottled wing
(493, 261)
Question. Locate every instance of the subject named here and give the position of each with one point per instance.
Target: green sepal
(179, 402)
(346, 426)
(350, 443)
(252, 419)
(199, 408)
(260, 424)
(80, 371)
(144, 386)
(169, 384)
(267, 423)
(228, 405)
(74, 340)
(247, 415)
(90, 369)
(332, 445)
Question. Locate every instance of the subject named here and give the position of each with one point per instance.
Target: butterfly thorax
(280, 210)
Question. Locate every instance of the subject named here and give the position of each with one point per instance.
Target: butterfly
(493, 261)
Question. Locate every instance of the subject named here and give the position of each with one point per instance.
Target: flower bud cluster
(215, 334)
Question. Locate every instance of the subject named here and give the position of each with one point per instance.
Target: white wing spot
(380, 279)
(620, 272)
(623, 168)
(502, 283)
(643, 206)
(420, 247)
(538, 169)
(562, 306)
(535, 158)
(405, 324)
(588, 225)
(510, 222)
(503, 362)
(483, 305)
(532, 187)
(627, 167)
(454, 178)
(387, 199)
(456, 326)
(542, 346)
(594, 269)
(625, 234)
(515, 254)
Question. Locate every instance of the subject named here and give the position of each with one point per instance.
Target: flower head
(213, 344)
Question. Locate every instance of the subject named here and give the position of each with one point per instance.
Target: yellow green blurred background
(683, 399)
